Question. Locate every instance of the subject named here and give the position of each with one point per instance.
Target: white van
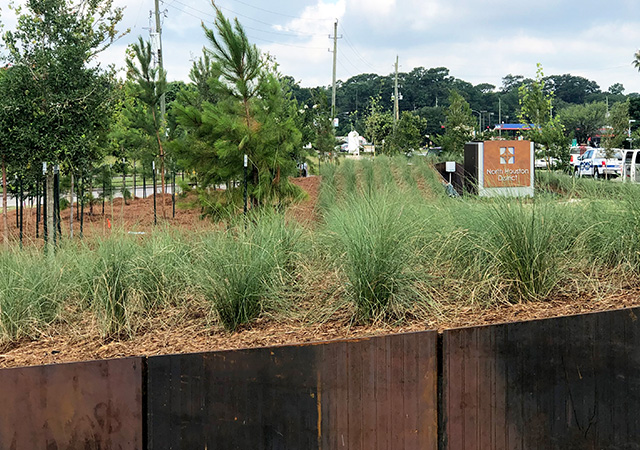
(631, 166)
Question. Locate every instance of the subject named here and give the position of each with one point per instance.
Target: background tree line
(580, 104)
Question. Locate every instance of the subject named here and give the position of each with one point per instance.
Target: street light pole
(478, 113)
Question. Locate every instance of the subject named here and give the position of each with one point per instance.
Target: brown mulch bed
(177, 331)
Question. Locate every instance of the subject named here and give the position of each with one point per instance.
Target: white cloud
(478, 41)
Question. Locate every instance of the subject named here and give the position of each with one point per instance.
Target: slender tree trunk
(134, 180)
(5, 225)
(124, 184)
(164, 216)
(50, 210)
(82, 181)
(37, 206)
(71, 207)
(91, 191)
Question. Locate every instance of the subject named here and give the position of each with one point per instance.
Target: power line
(282, 33)
(352, 64)
(281, 14)
(345, 69)
(250, 36)
(348, 41)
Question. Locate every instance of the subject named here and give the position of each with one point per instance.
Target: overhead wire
(250, 36)
(345, 69)
(281, 14)
(348, 42)
(282, 33)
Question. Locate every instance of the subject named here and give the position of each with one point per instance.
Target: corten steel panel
(507, 164)
(564, 383)
(377, 393)
(82, 406)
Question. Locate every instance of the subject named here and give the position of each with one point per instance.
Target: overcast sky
(478, 41)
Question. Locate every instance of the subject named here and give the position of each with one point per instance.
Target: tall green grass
(241, 273)
(32, 290)
(528, 243)
(328, 189)
(348, 171)
(373, 240)
(114, 298)
(383, 246)
(385, 176)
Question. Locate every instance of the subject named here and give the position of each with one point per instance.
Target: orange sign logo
(507, 164)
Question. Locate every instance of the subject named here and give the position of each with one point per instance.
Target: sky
(478, 41)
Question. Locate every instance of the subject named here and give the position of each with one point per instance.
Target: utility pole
(162, 105)
(500, 116)
(335, 60)
(396, 113)
(159, 32)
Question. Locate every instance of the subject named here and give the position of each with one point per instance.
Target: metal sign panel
(505, 168)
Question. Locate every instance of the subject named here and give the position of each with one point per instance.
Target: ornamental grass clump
(528, 245)
(610, 240)
(161, 270)
(328, 189)
(31, 294)
(372, 239)
(114, 298)
(348, 172)
(242, 272)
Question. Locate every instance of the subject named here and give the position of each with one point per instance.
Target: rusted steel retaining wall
(89, 406)
(564, 383)
(376, 393)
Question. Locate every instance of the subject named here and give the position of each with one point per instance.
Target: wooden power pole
(335, 60)
(396, 113)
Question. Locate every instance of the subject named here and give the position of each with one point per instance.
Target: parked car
(594, 163)
(541, 163)
(574, 153)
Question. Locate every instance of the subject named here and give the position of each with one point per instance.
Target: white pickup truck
(593, 163)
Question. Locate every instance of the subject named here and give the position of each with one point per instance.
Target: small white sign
(450, 166)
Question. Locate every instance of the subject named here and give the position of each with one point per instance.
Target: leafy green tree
(61, 99)
(315, 123)
(570, 88)
(618, 126)
(410, 133)
(616, 89)
(458, 127)
(583, 121)
(151, 84)
(535, 111)
(378, 125)
(12, 149)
